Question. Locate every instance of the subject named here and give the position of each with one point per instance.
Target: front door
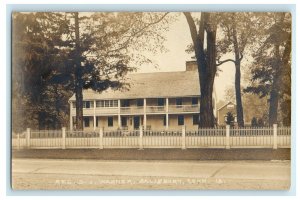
(136, 122)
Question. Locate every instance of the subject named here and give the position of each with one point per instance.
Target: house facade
(222, 113)
(157, 101)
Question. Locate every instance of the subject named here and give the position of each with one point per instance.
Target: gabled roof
(229, 102)
(152, 85)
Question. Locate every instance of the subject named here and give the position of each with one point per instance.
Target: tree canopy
(58, 54)
(272, 66)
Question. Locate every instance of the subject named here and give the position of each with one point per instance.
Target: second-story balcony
(133, 110)
(138, 107)
(155, 109)
(140, 110)
(184, 108)
(86, 111)
(97, 111)
(106, 110)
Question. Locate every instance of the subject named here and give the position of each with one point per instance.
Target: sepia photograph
(151, 100)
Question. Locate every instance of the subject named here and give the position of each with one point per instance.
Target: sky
(178, 37)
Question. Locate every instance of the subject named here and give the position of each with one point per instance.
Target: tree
(272, 61)
(229, 94)
(35, 57)
(206, 61)
(254, 106)
(229, 119)
(260, 122)
(254, 122)
(69, 52)
(239, 30)
(115, 34)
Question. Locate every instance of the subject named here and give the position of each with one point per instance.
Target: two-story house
(158, 101)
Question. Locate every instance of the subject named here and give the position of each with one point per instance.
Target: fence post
(63, 137)
(101, 138)
(227, 137)
(183, 138)
(28, 138)
(141, 138)
(274, 136)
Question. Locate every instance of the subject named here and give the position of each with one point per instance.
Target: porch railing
(155, 109)
(132, 110)
(139, 110)
(183, 108)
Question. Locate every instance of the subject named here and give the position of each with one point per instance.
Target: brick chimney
(191, 65)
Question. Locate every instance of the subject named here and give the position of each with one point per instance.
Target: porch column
(119, 113)
(145, 116)
(94, 115)
(71, 117)
(167, 113)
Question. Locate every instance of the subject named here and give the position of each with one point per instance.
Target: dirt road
(97, 174)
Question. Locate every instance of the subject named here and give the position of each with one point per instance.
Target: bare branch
(138, 32)
(230, 60)
(241, 56)
(225, 61)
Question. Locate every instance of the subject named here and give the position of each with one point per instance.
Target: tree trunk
(206, 65)
(287, 86)
(206, 107)
(282, 62)
(78, 78)
(208, 75)
(274, 97)
(274, 94)
(238, 96)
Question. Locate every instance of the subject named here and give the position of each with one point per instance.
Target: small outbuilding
(222, 113)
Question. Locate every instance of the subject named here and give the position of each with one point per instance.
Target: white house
(160, 100)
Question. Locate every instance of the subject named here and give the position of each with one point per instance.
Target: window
(99, 103)
(195, 119)
(73, 104)
(87, 104)
(179, 102)
(230, 106)
(140, 102)
(86, 121)
(165, 120)
(106, 103)
(180, 120)
(97, 121)
(114, 103)
(136, 122)
(194, 101)
(124, 121)
(160, 102)
(110, 121)
(125, 103)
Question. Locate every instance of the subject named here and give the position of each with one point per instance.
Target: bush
(254, 122)
(260, 122)
(229, 119)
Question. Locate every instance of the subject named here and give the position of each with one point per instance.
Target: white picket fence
(247, 137)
